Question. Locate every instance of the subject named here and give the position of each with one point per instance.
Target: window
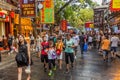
(25, 1)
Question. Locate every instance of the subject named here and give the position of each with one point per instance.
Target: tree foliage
(76, 13)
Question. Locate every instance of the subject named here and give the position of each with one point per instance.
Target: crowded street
(88, 67)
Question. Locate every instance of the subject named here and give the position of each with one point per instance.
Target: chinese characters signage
(115, 5)
(28, 9)
(47, 13)
(64, 25)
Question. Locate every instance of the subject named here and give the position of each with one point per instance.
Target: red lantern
(12, 14)
(7, 19)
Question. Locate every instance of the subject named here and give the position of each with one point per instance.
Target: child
(59, 49)
(51, 58)
(44, 55)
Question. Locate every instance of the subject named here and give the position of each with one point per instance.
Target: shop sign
(115, 5)
(28, 9)
(64, 25)
(47, 12)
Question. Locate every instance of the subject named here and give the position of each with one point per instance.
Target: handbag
(21, 58)
(28, 69)
(85, 47)
(58, 52)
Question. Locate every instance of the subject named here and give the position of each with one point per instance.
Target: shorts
(75, 48)
(44, 58)
(69, 56)
(114, 49)
(60, 56)
(38, 49)
(90, 43)
(105, 52)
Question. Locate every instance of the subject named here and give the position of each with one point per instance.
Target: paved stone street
(90, 67)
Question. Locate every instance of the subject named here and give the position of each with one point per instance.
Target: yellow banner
(116, 4)
(26, 22)
(16, 19)
(91, 26)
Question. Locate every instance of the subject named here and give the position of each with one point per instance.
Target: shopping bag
(85, 47)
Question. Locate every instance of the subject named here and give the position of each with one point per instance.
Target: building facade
(6, 17)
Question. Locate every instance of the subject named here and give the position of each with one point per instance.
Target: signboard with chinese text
(47, 13)
(115, 5)
(28, 9)
(64, 25)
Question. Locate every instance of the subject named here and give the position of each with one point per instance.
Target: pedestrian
(114, 45)
(59, 51)
(69, 52)
(76, 43)
(1, 48)
(23, 50)
(105, 47)
(51, 58)
(82, 42)
(38, 45)
(44, 55)
(90, 38)
(32, 39)
(10, 43)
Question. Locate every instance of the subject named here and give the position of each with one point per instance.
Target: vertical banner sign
(64, 25)
(28, 8)
(47, 13)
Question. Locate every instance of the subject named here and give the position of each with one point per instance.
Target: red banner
(64, 25)
(28, 8)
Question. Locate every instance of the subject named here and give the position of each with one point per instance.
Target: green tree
(76, 13)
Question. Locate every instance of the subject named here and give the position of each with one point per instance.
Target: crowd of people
(52, 49)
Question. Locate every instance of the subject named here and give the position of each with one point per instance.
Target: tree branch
(66, 4)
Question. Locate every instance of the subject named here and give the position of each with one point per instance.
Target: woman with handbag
(23, 57)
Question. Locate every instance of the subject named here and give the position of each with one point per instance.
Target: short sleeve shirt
(114, 41)
(68, 48)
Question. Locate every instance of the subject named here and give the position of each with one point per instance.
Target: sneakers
(50, 73)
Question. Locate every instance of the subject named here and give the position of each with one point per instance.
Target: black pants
(69, 56)
(9, 47)
(50, 63)
(82, 47)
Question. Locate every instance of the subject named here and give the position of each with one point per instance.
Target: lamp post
(39, 6)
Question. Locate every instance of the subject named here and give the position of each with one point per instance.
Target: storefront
(6, 18)
(4, 22)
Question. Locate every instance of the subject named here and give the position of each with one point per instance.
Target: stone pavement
(89, 67)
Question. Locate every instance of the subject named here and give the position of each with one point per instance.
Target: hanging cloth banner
(47, 12)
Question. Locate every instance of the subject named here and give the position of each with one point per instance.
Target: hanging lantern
(12, 14)
(7, 19)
